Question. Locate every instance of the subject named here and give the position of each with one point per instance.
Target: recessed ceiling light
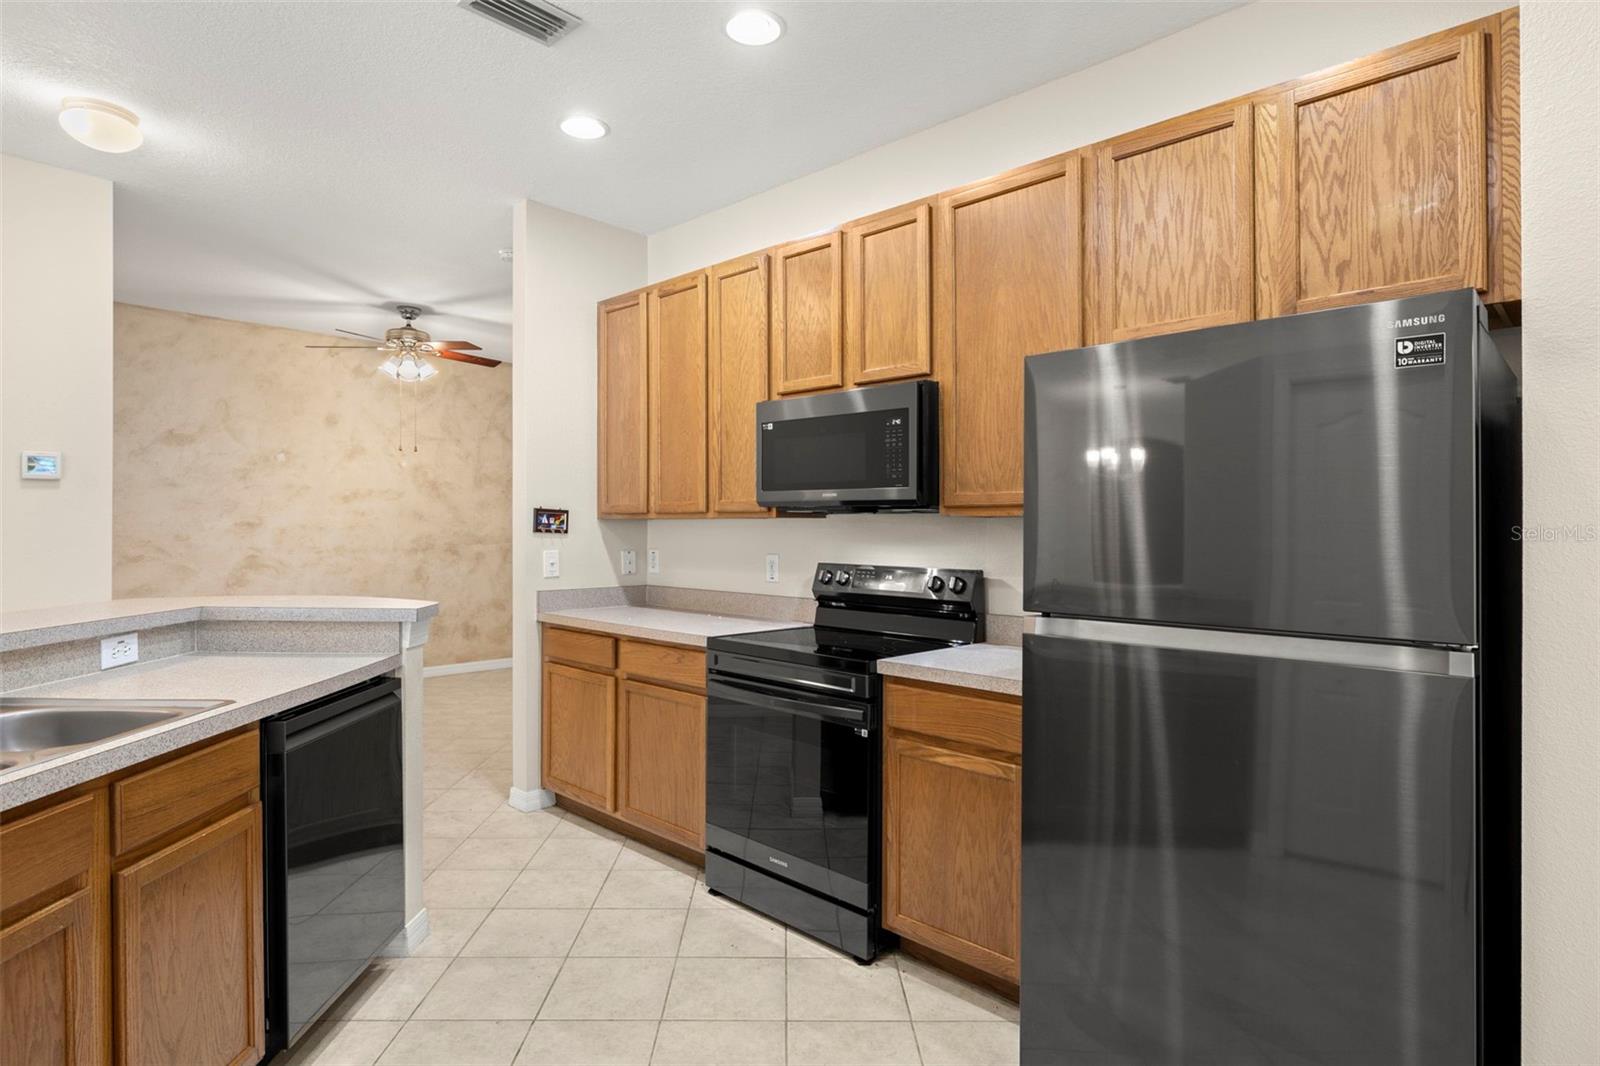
(584, 127)
(102, 126)
(755, 27)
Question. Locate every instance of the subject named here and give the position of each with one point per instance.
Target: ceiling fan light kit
(405, 348)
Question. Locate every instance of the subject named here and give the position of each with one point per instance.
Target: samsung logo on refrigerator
(1418, 320)
(1426, 349)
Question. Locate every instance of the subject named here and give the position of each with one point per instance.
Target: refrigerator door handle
(1408, 658)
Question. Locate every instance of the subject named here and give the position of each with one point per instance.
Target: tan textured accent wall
(247, 464)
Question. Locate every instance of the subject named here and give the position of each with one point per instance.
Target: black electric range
(794, 746)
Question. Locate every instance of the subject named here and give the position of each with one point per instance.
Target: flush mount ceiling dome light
(102, 126)
(584, 127)
(755, 27)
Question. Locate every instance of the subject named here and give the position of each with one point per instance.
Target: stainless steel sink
(34, 729)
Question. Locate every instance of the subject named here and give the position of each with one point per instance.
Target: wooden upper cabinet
(190, 917)
(624, 408)
(1376, 179)
(1007, 284)
(807, 284)
(678, 396)
(1171, 216)
(737, 309)
(888, 295)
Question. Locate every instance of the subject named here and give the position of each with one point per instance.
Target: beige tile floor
(554, 940)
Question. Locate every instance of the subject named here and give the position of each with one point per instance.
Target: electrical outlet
(654, 560)
(772, 567)
(552, 563)
(630, 562)
(119, 651)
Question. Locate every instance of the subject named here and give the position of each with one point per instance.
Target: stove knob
(958, 585)
(825, 577)
(842, 577)
(935, 584)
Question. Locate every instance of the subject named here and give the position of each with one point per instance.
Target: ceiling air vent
(545, 23)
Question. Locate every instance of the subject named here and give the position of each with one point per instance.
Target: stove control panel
(840, 580)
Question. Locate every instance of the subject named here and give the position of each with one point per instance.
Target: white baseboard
(408, 939)
(466, 668)
(531, 799)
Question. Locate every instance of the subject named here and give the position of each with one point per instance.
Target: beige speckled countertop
(990, 667)
(257, 685)
(55, 625)
(658, 623)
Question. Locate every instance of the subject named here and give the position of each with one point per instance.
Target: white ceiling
(306, 164)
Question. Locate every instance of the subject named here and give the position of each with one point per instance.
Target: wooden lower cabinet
(189, 918)
(51, 987)
(952, 824)
(580, 729)
(151, 956)
(628, 741)
(661, 761)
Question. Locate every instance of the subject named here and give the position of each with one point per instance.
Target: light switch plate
(772, 567)
(552, 563)
(119, 651)
(654, 561)
(630, 562)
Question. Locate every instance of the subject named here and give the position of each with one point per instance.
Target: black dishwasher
(335, 866)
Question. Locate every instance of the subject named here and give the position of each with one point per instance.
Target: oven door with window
(792, 784)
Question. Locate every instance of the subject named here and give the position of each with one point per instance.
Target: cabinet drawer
(661, 662)
(585, 649)
(48, 848)
(146, 805)
(954, 714)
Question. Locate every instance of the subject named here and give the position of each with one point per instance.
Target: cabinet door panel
(738, 335)
(1385, 178)
(50, 982)
(887, 297)
(624, 407)
(580, 733)
(189, 948)
(1173, 227)
(661, 764)
(678, 397)
(1008, 285)
(807, 289)
(953, 853)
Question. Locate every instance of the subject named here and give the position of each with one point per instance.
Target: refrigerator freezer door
(1236, 858)
(1310, 474)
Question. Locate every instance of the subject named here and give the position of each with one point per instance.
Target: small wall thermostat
(41, 466)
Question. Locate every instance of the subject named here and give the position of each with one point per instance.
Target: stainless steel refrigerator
(1270, 717)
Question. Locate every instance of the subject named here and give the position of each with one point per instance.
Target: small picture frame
(41, 466)
(549, 520)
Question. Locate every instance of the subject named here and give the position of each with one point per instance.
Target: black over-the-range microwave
(870, 449)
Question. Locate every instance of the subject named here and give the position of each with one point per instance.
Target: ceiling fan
(407, 345)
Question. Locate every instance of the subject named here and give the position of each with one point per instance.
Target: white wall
(1238, 52)
(1561, 577)
(563, 265)
(55, 384)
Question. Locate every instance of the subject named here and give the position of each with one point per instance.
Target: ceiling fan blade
(353, 333)
(352, 347)
(463, 357)
(460, 346)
